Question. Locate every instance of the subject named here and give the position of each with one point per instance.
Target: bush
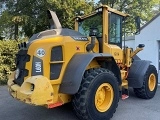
(8, 49)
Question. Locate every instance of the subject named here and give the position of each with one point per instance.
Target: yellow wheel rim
(152, 82)
(104, 97)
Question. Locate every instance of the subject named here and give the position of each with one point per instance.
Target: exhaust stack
(53, 20)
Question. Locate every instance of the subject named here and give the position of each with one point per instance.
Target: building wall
(129, 42)
(150, 36)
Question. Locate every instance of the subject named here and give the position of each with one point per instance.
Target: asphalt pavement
(132, 108)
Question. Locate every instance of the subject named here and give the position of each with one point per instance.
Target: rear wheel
(98, 96)
(150, 81)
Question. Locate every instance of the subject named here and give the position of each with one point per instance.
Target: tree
(67, 10)
(108, 2)
(156, 9)
(6, 26)
(32, 18)
(26, 15)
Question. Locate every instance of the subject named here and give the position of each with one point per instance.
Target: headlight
(17, 73)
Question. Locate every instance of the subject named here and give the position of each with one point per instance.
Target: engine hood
(59, 32)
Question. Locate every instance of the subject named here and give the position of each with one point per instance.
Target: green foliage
(6, 24)
(8, 49)
(31, 15)
(67, 10)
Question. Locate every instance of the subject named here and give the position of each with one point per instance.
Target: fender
(76, 67)
(137, 72)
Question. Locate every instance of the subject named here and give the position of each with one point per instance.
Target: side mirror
(93, 32)
(137, 22)
(141, 45)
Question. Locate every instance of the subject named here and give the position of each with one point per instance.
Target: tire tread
(78, 101)
(142, 92)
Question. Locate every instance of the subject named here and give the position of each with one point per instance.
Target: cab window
(115, 29)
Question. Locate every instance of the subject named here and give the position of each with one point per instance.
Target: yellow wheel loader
(87, 66)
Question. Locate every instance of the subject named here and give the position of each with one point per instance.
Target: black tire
(144, 92)
(84, 101)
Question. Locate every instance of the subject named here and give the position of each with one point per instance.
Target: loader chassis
(87, 66)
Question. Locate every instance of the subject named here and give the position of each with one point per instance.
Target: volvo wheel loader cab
(87, 66)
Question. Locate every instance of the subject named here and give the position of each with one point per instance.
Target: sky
(96, 1)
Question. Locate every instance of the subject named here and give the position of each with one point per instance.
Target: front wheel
(98, 96)
(150, 81)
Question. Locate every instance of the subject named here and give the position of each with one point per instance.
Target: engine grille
(55, 68)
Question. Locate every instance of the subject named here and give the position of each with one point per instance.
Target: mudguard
(137, 72)
(74, 72)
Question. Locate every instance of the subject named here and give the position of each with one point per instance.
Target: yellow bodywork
(46, 91)
(42, 93)
(152, 82)
(40, 90)
(104, 97)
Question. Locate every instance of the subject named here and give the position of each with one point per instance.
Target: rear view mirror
(137, 22)
(93, 32)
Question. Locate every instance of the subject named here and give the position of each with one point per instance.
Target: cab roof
(107, 8)
(113, 10)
